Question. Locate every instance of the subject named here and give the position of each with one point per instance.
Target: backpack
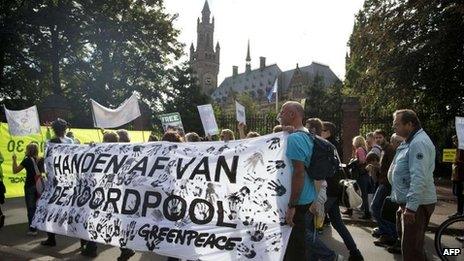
(324, 162)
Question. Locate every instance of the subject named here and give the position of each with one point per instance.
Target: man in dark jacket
(386, 232)
(328, 132)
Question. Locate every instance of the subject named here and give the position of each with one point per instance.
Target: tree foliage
(184, 97)
(323, 101)
(409, 54)
(103, 50)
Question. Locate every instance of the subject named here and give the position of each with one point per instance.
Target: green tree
(409, 54)
(86, 49)
(184, 97)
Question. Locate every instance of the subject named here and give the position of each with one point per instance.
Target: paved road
(29, 248)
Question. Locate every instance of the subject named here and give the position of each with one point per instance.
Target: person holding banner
(33, 164)
(303, 191)
(59, 127)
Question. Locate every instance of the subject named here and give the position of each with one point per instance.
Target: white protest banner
(112, 118)
(24, 122)
(207, 119)
(207, 200)
(240, 112)
(171, 121)
(460, 131)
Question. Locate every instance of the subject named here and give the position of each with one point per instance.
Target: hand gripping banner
(205, 201)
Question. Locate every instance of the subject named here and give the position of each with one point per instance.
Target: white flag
(111, 118)
(207, 119)
(23, 122)
(240, 112)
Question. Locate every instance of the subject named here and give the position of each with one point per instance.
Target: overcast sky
(285, 32)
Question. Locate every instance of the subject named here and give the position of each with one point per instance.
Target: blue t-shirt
(300, 148)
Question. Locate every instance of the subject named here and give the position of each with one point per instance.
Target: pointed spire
(191, 47)
(205, 13)
(206, 8)
(217, 46)
(248, 59)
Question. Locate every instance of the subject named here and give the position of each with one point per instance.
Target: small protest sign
(208, 120)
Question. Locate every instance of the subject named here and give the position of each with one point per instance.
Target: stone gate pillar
(351, 123)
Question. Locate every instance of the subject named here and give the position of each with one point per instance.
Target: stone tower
(205, 59)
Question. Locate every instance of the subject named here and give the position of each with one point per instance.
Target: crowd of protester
(397, 171)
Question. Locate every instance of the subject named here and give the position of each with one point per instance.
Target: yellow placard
(16, 145)
(449, 155)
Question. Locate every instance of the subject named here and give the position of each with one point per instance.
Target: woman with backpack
(33, 164)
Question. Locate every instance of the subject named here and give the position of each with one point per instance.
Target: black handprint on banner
(127, 164)
(108, 180)
(277, 187)
(160, 180)
(157, 215)
(91, 229)
(248, 221)
(257, 234)
(169, 149)
(174, 208)
(109, 148)
(187, 151)
(274, 143)
(258, 182)
(239, 197)
(128, 178)
(221, 149)
(279, 217)
(136, 150)
(112, 229)
(210, 149)
(124, 149)
(183, 188)
(275, 242)
(265, 205)
(234, 207)
(128, 234)
(154, 150)
(211, 195)
(203, 210)
(98, 150)
(274, 166)
(253, 161)
(98, 198)
(140, 181)
(169, 166)
(197, 190)
(90, 179)
(183, 222)
(245, 251)
(63, 218)
(240, 148)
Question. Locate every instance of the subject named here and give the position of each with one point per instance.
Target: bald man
(303, 191)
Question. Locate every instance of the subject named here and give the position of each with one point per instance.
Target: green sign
(171, 121)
